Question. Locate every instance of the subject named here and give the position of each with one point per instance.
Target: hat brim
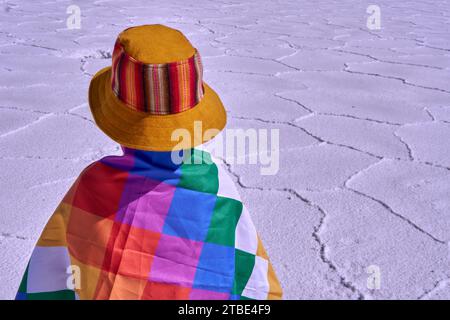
(139, 130)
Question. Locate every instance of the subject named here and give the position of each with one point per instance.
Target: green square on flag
(53, 295)
(199, 173)
(244, 263)
(224, 220)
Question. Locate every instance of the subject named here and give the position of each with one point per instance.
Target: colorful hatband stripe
(156, 88)
(139, 226)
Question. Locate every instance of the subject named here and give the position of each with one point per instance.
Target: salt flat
(364, 120)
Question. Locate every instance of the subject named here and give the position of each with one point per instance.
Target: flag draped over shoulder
(139, 226)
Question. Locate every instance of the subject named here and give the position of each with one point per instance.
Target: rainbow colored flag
(139, 226)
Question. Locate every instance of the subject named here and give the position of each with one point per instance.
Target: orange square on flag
(87, 236)
(165, 291)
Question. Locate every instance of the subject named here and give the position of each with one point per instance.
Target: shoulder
(101, 171)
(227, 187)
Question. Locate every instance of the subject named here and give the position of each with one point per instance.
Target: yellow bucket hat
(154, 86)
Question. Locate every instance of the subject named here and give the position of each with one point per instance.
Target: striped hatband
(158, 89)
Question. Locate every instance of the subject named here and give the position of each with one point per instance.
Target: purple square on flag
(199, 294)
(145, 203)
(175, 260)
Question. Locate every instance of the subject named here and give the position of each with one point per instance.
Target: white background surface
(364, 119)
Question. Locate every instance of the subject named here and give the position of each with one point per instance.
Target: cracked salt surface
(364, 120)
